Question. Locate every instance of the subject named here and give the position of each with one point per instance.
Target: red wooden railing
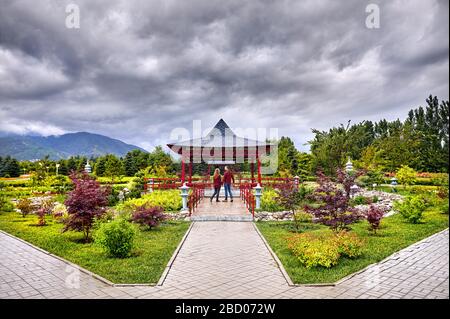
(246, 193)
(155, 183)
(196, 195)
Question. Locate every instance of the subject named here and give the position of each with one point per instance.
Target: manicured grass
(153, 248)
(394, 235)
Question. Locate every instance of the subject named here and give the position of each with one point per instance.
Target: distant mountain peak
(87, 144)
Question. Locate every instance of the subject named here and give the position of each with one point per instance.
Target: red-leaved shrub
(374, 216)
(332, 207)
(148, 216)
(86, 202)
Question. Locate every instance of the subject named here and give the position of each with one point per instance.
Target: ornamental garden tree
(85, 202)
(332, 206)
(406, 175)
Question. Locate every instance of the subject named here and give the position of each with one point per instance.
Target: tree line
(421, 141)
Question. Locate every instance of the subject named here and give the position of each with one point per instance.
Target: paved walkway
(227, 260)
(221, 210)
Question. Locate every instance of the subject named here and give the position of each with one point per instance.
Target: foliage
(25, 206)
(303, 217)
(269, 202)
(59, 211)
(363, 200)
(9, 167)
(331, 149)
(292, 162)
(150, 256)
(291, 198)
(373, 217)
(149, 216)
(45, 208)
(332, 208)
(113, 167)
(420, 141)
(348, 179)
(348, 244)
(406, 175)
(370, 178)
(84, 203)
(394, 235)
(169, 200)
(116, 237)
(411, 208)
(444, 208)
(313, 250)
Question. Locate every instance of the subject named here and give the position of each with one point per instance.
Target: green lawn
(394, 235)
(153, 248)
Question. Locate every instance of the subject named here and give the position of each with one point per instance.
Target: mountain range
(29, 147)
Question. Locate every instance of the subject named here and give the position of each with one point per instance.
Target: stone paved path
(227, 260)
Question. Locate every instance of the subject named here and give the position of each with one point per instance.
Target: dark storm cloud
(137, 69)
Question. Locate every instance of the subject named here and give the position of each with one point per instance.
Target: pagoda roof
(221, 136)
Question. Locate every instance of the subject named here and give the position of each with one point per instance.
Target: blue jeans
(227, 188)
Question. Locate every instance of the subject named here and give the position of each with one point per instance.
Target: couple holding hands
(226, 180)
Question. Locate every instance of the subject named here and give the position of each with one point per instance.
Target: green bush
(349, 244)
(269, 201)
(313, 250)
(116, 237)
(169, 200)
(444, 208)
(324, 250)
(5, 204)
(303, 217)
(411, 208)
(362, 200)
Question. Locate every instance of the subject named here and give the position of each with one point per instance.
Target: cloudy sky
(135, 70)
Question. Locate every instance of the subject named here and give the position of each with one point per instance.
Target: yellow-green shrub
(313, 250)
(169, 200)
(324, 250)
(269, 201)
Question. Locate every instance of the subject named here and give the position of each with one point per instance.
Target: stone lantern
(87, 167)
(258, 194)
(349, 166)
(184, 195)
(393, 184)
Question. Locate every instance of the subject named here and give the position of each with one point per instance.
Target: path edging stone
(174, 255)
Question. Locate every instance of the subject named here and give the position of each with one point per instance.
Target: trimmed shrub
(269, 201)
(303, 217)
(169, 200)
(25, 206)
(333, 207)
(373, 217)
(313, 250)
(116, 237)
(149, 216)
(324, 250)
(59, 211)
(85, 203)
(411, 208)
(349, 244)
(444, 208)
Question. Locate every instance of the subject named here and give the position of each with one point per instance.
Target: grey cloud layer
(137, 69)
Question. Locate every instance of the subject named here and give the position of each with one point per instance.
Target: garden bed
(395, 234)
(153, 251)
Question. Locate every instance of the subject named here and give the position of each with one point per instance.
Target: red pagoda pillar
(182, 171)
